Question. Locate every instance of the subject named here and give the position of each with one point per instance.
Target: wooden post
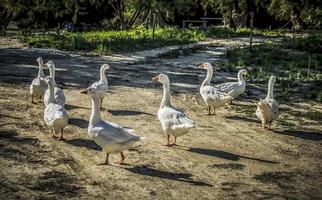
(204, 23)
(153, 25)
(251, 30)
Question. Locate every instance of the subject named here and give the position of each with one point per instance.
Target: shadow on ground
(128, 112)
(242, 119)
(89, 144)
(81, 123)
(226, 155)
(307, 135)
(20, 150)
(182, 177)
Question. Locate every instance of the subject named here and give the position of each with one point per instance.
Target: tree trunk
(118, 7)
(136, 14)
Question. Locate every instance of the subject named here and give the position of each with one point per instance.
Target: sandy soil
(226, 156)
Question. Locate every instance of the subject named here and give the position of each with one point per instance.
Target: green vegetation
(105, 42)
(296, 62)
(242, 32)
(128, 14)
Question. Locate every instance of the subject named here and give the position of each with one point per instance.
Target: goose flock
(113, 138)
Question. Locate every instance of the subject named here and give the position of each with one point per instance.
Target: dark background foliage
(125, 14)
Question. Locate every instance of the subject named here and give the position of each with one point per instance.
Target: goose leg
(214, 113)
(61, 135)
(269, 126)
(101, 105)
(106, 160)
(122, 159)
(53, 132)
(264, 123)
(209, 110)
(32, 99)
(168, 143)
(174, 142)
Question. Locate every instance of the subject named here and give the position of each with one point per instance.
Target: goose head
(50, 64)
(243, 71)
(206, 66)
(105, 67)
(162, 78)
(93, 93)
(40, 60)
(272, 79)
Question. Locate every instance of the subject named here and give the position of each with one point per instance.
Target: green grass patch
(296, 62)
(243, 32)
(106, 42)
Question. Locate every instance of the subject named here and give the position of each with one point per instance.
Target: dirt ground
(227, 156)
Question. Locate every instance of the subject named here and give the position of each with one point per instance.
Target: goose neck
(51, 92)
(270, 89)
(240, 77)
(166, 95)
(102, 75)
(52, 73)
(40, 70)
(96, 113)
(208, 77)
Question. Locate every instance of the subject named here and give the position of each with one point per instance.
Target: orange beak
(156, 78)
(202, 66)
(83, 92)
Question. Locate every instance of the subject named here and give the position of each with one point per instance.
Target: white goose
(174, 122)
(55, 115)
(110, 136)
(267, 109)
(234, 88)
(101, 86)
(38, 86)
(58, 93)
(212, 96)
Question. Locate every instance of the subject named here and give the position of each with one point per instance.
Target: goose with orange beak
(173, 121)
(212, 96)
(101, 86)
(112, 137)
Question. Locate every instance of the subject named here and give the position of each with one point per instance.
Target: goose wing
(274, 106)
(100, 85)
(54, 111)
(227, 87)
(114, 133)
(174, 118)
(36, 81)
(59, 96)
(213, 93)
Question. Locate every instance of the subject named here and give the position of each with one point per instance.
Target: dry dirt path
(226, 156)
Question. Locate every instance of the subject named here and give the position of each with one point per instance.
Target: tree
(298, 11)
